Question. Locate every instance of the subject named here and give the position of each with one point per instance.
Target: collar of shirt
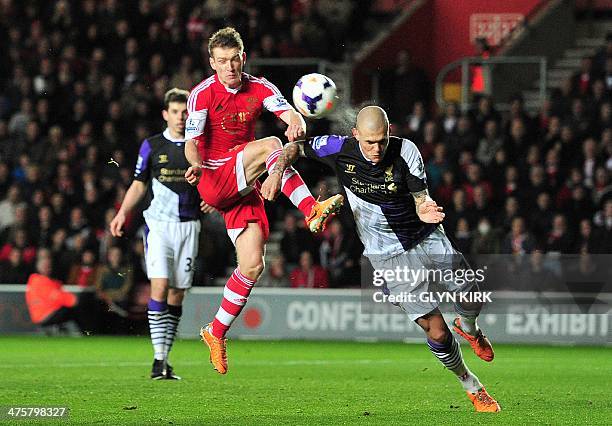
(170, 138)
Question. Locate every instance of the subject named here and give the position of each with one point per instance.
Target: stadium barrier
(337, 314)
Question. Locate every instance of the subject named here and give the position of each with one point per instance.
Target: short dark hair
(226, 38)
(175, 95)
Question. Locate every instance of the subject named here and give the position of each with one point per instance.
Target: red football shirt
(221, 118)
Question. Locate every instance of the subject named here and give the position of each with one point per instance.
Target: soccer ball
(314, 95)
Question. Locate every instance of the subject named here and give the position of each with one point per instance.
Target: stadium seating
(82, 84)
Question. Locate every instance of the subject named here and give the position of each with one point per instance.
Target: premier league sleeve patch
(195, 124)
(276, 103)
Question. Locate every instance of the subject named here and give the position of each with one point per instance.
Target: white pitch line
(196, 363)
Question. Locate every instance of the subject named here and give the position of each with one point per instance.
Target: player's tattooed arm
(426, 208)
(420, 197)
(290, 154)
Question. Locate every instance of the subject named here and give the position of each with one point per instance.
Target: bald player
(400, 227)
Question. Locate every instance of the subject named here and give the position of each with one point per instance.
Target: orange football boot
(322, 211)
(483, 402)
(217, 347)
(479, 343)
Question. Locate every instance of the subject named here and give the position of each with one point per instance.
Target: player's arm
(319, 148)
(426, 208)
(193, 173)
(275, 102)
(291, 152)
(192, 155)
(134, 194)
(136, 191)
(194, 129)
(272, 185)
(296, 126)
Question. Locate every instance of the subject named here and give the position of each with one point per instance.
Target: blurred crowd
(516, 182)
(511, 183)
(82, 83)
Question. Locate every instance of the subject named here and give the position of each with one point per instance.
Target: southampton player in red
(226, 162)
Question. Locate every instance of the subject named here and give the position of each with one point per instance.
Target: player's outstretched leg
(262, 155)
(465, 325)
(316, 212)
(443, 345)
(249, 249)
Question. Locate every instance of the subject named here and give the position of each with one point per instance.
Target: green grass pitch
(105, 380)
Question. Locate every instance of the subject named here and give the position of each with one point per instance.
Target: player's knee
(175, 296)
(252, 270)
(272, 143)
(159, 288)
(438, 334)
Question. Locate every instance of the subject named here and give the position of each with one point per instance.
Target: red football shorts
(223, 185)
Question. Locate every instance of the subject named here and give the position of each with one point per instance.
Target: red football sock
(235, 296)
(292, 185)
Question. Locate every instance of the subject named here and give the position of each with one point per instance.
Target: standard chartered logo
(359, 187)
(171, 175)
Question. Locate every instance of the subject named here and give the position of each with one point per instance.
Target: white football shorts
(434, 253)
(171, 249)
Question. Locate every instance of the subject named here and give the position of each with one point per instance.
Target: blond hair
(226, 38)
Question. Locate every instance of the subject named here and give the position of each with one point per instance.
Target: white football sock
(449, 354)
(469, 381)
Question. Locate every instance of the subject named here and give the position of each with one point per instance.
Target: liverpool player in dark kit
(399, 225)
